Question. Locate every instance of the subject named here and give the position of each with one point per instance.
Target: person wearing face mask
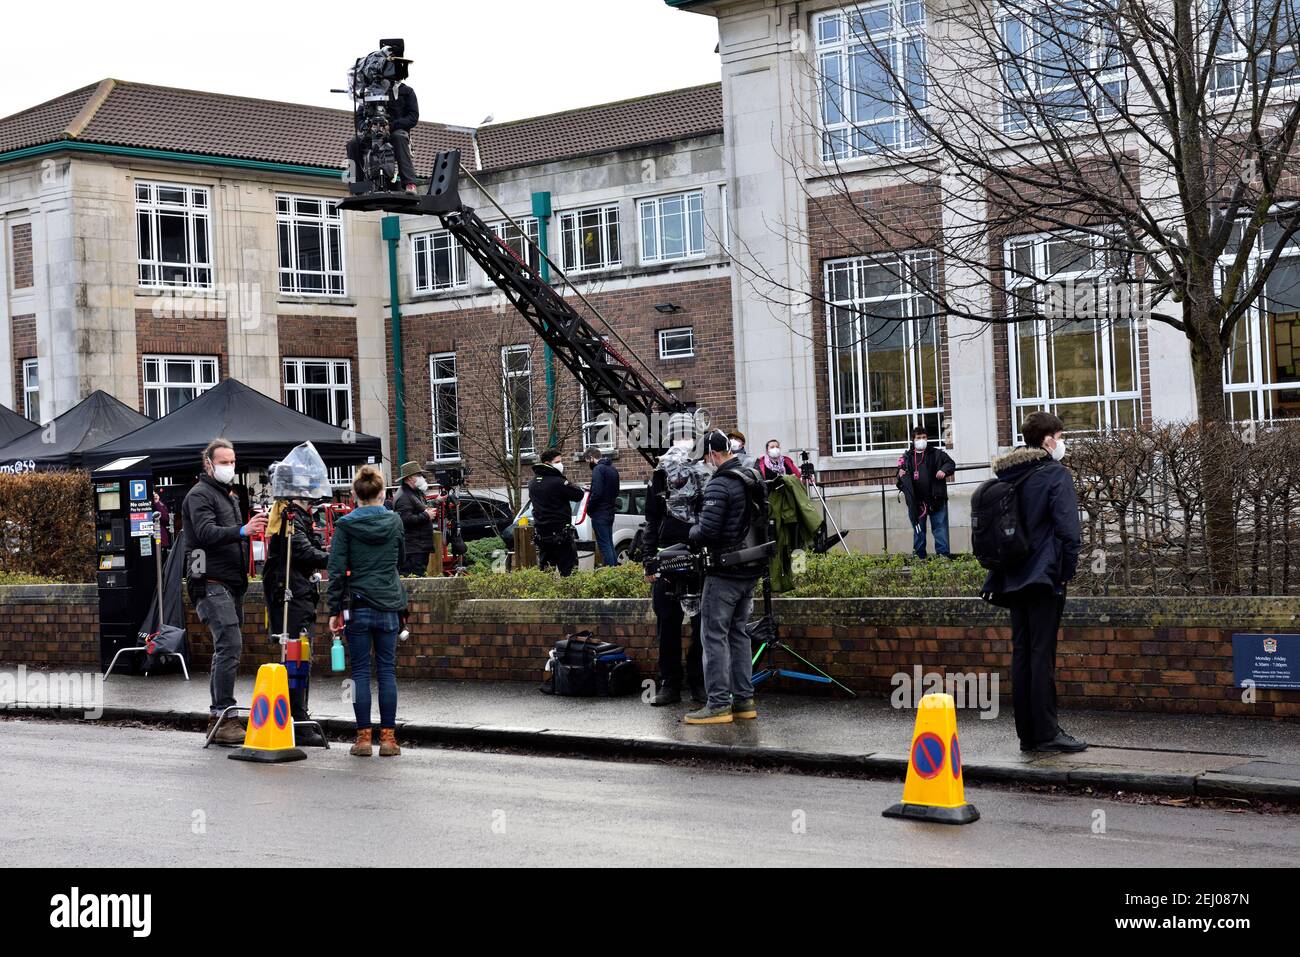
(552, 496)
(417, 518)
(923, 476)
(737, 439)
(217, 569)
(1034, 588)
(773, 464)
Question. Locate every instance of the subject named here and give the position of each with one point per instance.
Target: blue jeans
(378, 629)
(603, 530)
(939, 525)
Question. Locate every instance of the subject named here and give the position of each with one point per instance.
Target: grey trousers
(223, 612)
(725, 607)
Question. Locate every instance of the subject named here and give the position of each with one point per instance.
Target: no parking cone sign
(933, 790)
(269, 738)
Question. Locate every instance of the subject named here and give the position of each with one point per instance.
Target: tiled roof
(212, 124)
(140, 115)
(649, 119)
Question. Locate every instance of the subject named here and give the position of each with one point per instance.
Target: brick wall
(885, 220)
(477, 335)
(20, 255)
(1165, 655)
(22, 331)
(173, 336)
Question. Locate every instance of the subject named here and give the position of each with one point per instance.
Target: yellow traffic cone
(933, 790)
(269, 739)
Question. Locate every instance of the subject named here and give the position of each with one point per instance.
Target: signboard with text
(1269, 661)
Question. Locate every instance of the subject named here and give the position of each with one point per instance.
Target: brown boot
(363, 748)
(388, 743)
(232, 731)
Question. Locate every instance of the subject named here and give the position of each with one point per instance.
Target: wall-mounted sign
(1270, 661)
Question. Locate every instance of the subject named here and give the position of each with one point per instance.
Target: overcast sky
(507, 58)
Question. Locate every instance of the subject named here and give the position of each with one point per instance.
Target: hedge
(47, 529)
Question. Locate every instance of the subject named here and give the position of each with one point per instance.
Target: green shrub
(479, 554)
(18, 578)
(835, 575)
(46, 526)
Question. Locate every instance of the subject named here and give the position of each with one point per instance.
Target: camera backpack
(583, 666)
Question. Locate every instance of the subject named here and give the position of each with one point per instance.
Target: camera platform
(441, 197)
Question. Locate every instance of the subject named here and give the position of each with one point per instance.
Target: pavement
(86, 795)
(1172, 754)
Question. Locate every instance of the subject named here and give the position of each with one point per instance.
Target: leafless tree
(1154, 138)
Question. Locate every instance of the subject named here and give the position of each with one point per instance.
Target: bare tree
(1152, 139)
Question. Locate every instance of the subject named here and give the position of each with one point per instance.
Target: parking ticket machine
(124, 544)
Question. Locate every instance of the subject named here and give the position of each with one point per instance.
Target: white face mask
(1058, 450)
(559, 466)
(225, 474)
(920, 444)
(735, 445)
(774, 452)
(422, 484)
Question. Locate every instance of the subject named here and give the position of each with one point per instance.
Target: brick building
(156, 240)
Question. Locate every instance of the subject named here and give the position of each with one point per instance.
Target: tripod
(765, 631)
(809, 475)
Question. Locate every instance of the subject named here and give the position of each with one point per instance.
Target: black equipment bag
(998, 536)
(583, 666)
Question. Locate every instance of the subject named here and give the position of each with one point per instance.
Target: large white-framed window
(677, 343)
(672, 227)
(1261, 374)
(517, 398)
(444, 399)
(513, 237)
(310, 232)
(590, 238)
(884, 351)
(173, 235)
(869, 58)
(598, 426)
(1061, 63)
(172, 381)
(1263, 32)
(1084, 367)
(31, 389)
(322, 389)
(439, 260)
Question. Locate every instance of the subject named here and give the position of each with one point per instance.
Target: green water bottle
(336, 654)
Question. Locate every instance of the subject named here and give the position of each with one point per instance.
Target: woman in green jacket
(365, 554)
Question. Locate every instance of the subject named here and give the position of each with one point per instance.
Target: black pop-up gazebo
(64, 442)
(13, 425)
(262, 430)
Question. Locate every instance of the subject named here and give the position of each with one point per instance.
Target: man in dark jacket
(602, 502)
(217, 568)
(403, 115)
(1034, 590)
(552, 495)
(672, 506)
(728, 596)
(417, 519)
(923, 474)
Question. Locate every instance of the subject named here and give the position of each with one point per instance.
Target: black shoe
(1062, 742)
(308, 737)
(698, 693)
(668, 693)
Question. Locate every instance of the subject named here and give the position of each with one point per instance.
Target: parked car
(629, 515)
(483, 515)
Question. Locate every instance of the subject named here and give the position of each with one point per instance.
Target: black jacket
(724, 516)
(662, 528)
(550, 492)
(604, 490)
(409, 505)
(406, 111)
(212, 519)
(305, 557)
(929, 491)
(1049, 506)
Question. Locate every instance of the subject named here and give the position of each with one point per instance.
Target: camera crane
(610, 378)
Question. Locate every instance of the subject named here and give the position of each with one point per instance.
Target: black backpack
(998, 536)
(757, 519)
(583, 666)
